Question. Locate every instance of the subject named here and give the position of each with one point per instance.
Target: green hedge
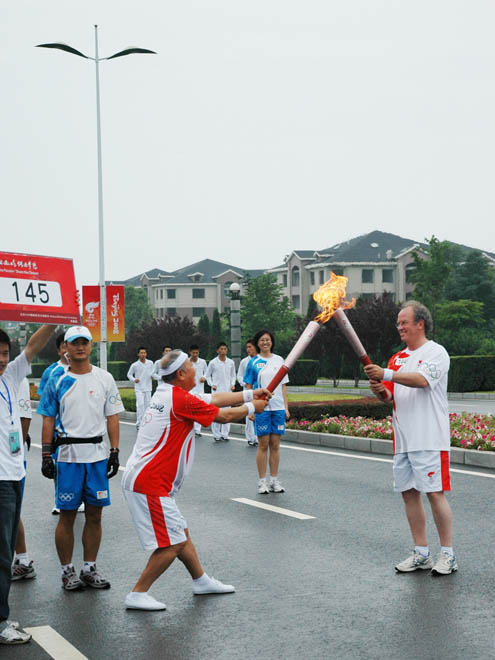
(472, 373)
(129, 401)
(363, 407)
(37, 369)
(304, 372)
(118, 369)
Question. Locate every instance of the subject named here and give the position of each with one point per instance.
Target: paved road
(306, 589)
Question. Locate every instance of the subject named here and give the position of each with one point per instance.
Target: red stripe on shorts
(158, 521)
(444, 468)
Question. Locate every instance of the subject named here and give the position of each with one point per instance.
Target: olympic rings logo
(66, 497)
(147, 418)
(25, 404)
(114, 398)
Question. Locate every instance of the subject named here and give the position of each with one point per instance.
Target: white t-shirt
(12, 465)
(200, 372)
(259, 373)
(143, 372)
(421, 415)
(80, 404)
(24, 400)
(242, 369)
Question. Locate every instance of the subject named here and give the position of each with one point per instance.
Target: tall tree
(137, 308)
(474, 279)
(263, 306)
(216, 334)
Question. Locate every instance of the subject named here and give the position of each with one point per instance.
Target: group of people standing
(255, 370)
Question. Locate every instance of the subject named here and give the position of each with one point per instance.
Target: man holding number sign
(12, 467)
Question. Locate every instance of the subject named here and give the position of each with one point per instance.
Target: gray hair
(421, 313)
(167, 360)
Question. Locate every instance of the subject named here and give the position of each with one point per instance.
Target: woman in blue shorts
(270, 424)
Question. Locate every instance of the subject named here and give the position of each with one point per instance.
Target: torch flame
(330, 296)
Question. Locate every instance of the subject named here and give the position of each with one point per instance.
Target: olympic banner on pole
(115, 312)
(38, 289)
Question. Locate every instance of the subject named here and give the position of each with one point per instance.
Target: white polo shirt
(12, 465)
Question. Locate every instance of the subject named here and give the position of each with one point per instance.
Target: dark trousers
(10, 512)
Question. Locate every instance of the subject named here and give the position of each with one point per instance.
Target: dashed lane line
(54, 644)
(275, 509)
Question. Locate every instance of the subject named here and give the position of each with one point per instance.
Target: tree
(137, 309)
(431, 274)
(263, 306)
(204, 324)
(216, 334)
(458, 314)
(174, 330)
(474, 279)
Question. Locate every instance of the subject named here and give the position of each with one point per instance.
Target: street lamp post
(101, 244)
(235, 322)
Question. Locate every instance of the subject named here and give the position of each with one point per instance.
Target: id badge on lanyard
(14, 436)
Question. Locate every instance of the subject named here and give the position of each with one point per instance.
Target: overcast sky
(260, 127)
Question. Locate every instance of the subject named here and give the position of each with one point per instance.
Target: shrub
(118, 369)
(37, 369)
(304, 372)
(472, 373)
(128, 401)
(363, 407)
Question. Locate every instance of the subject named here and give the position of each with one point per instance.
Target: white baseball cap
(76, 332)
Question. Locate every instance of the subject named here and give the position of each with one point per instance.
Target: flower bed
(467, 430)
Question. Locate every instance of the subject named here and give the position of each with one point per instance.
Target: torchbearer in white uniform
(200, 370)
(140, 374)
(220, 376)
(416, 381)
(251, 436)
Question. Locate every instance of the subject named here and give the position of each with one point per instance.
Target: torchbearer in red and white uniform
(416, 382)
(161, 459)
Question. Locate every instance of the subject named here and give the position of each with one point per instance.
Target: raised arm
(38, 340)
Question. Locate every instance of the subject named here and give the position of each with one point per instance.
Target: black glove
(48, 467)
(113, 463)
(28, 441)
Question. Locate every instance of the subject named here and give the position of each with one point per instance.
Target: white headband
(175, 365)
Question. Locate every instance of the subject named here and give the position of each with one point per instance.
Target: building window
(388, 275)
(322, 276)
(284, 280)
(198, 311)
(367, 296)
(161, 294)
(312, 276)
(338, 270)
(296, 302)
(295, 276)
(171, 293)
(198, 293)
(367, 276)
(410, 270)
(226, 289)
(171, 311)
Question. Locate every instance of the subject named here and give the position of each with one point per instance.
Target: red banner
(115, 312)
(37, 289)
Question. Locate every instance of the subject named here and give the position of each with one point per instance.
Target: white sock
(88, 565)
(23, 558)
(262, 480)
(423, 550)
(203, 579)
(447, 549)
(67, 567)
(272, 479)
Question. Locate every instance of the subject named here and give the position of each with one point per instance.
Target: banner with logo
(38, 289)
(115, 312)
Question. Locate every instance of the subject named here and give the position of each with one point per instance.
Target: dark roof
(136, 280)
(368, 247)
(304, 254)
(208, 267)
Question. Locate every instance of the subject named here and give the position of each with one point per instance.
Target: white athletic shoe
(81, 508)
(55, 511)
(212, 586)
(12, 635)
(276, 486)
(445, 564)
(137, 600)
(263, 487)
(415, 561)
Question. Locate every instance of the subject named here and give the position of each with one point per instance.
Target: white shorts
(157, 520)
(425, 471)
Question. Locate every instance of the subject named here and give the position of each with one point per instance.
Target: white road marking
(270, 507)
(54, 644)
(335, 453)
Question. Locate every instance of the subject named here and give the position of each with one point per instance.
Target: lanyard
(8, 401)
